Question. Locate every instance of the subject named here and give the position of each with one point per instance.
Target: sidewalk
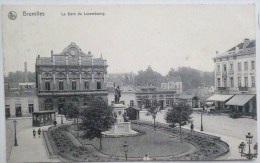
(31, 149)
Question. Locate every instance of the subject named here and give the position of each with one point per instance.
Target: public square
(230, 130)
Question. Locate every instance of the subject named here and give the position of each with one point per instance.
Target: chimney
(25, 72)
(38, 56)
(246, 42)
(51, 52)
(89, 53)
(216, 53)
(237, 49)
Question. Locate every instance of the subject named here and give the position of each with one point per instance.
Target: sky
(129, 37)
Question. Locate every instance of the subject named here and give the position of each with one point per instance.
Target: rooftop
(243, 48)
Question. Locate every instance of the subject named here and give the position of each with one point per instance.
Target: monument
(122, 127)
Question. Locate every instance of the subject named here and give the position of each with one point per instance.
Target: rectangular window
(47, 86)
(86, 85)
(98, 85)
(218, 68)
(253, 81)
(246, 66)
(231, 67)
(239, 81)
(60, 85)
(7, 111)
(30, 108)
(73, 85)
(131, 102)
(224, 67)
(252, 65)
(218, 82)
(246, 81)
(231, 82)
(167, 102)
(239, 66)
(225, 82)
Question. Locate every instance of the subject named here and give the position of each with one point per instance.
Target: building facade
(20, 102)
(69, 76)
(136, 96)
(235, 79)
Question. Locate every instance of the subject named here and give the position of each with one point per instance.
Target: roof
(183, 96)
(241, 45)
(248, 49)
(239, 99)
(219, 97)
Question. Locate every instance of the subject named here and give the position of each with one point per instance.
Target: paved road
(29, 149)
(230, 130)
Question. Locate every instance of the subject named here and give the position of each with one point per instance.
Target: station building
(71, 75)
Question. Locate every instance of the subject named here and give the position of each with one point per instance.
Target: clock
(73, 51)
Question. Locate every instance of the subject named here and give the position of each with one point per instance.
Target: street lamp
(15, 139)
(125, 150)
(201, 124)
(242, 145)
(61, 118)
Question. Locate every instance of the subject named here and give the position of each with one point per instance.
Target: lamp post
(15, 139)
(201, 124)
(61, 118)
(242, 145)
(125, 150)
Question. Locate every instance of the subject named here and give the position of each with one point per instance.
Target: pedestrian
(55, 123)
(146, 157)
(191, 128)
(39, 132)
(34, 133)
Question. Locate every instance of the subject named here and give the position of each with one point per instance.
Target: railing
(231, 72)
(166, 128)
(72, 92)
(243, 88)
(222, 88)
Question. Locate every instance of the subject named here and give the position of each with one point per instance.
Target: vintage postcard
(116, 83)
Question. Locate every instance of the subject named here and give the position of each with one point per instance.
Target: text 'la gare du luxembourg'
(38, 13)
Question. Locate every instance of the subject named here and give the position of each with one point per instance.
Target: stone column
(92, 81)
(67, 77)
(54, 81)
(80, 81)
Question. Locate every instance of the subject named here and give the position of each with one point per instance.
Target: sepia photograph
(130, 82)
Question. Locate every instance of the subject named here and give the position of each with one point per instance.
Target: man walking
(34, 133)
(191, 128)
(39, 132)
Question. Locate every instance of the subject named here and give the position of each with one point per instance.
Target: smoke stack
(25, 72)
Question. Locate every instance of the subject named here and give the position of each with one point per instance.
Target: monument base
(120, 129)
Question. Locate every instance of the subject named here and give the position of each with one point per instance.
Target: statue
(117, 95)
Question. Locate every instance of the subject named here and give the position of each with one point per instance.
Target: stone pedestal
(120, 127)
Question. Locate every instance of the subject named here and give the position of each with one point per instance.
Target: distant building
(70, 75)
(135, 95)
(20, 102)
(121, 79)
(172, 83)
(235, 80)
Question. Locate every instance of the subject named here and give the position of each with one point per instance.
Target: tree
(149, 77)
(152, 109)
(179, 114)
(72, 110)
(97, 117)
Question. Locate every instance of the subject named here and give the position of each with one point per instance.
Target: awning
(218, 97)
(239, 100)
